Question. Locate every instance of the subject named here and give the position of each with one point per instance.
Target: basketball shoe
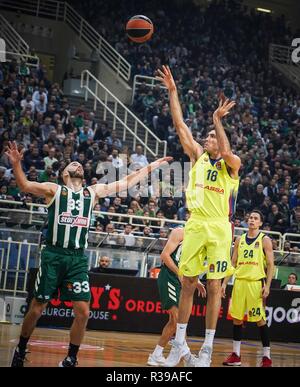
(18, 358)
(266, 362)
(68, 362)
(190, 360)
(156, 361)
(204, 358)
(233, 360)
(178, 351)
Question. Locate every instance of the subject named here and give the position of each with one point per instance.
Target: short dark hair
(259, 213)
(294, 275)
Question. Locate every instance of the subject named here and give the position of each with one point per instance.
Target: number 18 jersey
(211, 192)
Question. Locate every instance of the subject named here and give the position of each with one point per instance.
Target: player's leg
(81, 312)
(75, 287)
(45, 286)
(265, 339)
(34, 313)
(213, 305)
(170, 328)
(219, 236)
(234, 359)
(179, 347)
(237, 311)
(156, 358)
(190, 266)
(257, 314)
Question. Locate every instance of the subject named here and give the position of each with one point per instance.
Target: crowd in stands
(223, 47)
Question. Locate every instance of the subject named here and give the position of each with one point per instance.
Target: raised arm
(233, 161)
(268, 249)
(190, 146)
(104, 190)
(46, 190)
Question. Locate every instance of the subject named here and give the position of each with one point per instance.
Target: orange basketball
(139, 28)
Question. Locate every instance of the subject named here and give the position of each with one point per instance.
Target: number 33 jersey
(69, 216)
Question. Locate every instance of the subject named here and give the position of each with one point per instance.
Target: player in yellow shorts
(254, 261)
(211, 196)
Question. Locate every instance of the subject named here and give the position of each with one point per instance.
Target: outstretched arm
(233, 161)
(104, 190)
(190, 146)
(46, 190)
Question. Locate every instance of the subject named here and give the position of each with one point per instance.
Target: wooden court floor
(115, 349)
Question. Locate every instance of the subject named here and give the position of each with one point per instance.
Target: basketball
(139, 28)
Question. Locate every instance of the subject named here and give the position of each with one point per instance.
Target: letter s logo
(296, 52)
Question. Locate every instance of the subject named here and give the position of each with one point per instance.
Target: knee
(82, 315)
(214, 287)
(36, 310)
(189, 284)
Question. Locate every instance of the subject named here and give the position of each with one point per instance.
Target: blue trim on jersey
(213, 161)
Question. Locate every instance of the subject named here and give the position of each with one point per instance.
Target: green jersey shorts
(63, 270)
(169, 288)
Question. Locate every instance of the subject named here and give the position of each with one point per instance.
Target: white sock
(237, 347)
(209, 337)
(180, 333)
(267, 352)
(158, 350)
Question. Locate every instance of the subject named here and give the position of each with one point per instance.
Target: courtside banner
(131, 304)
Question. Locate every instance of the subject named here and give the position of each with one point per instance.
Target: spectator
(169, 209)
(138, 157)
(128, 236)
(113, 141)
(104, 262)
(276, 219)
(117, 162)
(245, 193)
(258, 198)
(255, 176)
(50, 159)
(292, 280)
(295, 199)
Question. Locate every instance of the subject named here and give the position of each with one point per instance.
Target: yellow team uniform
(211, 198)
(249, 280)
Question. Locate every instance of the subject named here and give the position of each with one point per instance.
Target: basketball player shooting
(211, 197)
(63, 263)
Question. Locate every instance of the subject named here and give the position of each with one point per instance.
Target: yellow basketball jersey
(211, 191)
(251, 263)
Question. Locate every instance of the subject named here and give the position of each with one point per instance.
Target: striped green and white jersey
(69, 216)
(176, 254)
(175, 257)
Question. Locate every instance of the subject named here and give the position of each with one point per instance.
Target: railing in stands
(15, 44)
(62, 11)
(36, 217)
(150, 82)
(30, 61)
(281, 58)
(94, 87)
(19, 255)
